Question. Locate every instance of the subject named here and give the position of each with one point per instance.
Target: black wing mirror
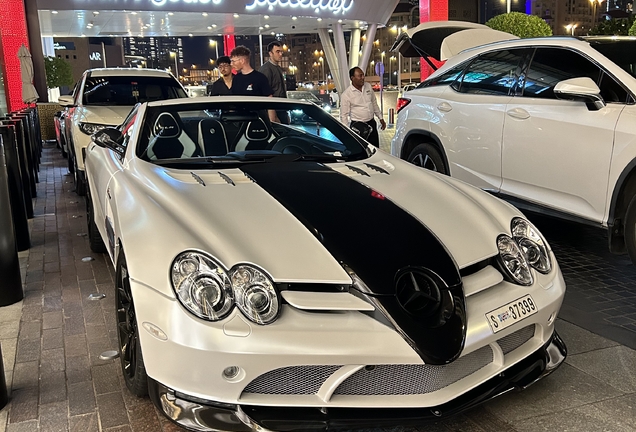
(110, 138)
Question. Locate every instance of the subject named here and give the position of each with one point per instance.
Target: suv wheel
(426, 156)
(630, 229)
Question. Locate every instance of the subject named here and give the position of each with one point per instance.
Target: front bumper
(201, 415)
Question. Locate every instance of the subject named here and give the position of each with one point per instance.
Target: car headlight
(202, 286)
(91, 128)
(255, 294)
(532, 244)
(514, 261)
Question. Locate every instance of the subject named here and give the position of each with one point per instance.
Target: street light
(570, 28)
(216, 46)
(390, 63)
(176, 67)
(594, 3)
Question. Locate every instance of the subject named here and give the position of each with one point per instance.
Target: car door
(557, 153)
(104, 172)
(471, 115)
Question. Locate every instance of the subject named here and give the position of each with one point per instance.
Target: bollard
(25, 171)
(391, 117)
(18, 206)
(29, 143)
(11, 281)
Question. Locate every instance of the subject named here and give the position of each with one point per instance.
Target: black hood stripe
(379, 241)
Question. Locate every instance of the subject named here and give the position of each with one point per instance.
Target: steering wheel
(295, 145)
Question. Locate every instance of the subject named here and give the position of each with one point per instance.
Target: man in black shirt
(222, 86)
(249, 82)
(275, 76)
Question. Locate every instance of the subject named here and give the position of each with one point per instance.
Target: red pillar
(13, 33)
(431, 10)
(228, 44)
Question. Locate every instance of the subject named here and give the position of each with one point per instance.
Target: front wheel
(630, 230)
(132, 362)
(427, 156)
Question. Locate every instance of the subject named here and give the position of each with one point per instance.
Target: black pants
(374, 138)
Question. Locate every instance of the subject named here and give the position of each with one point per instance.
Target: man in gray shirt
(275, 76)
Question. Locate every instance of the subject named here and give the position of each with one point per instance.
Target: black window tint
(612, 91)
(551, 65)
(446, 78)
(492, 73)
(129, 90)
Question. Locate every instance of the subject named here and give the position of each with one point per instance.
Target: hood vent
(232, 177)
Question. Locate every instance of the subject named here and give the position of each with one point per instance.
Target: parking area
(52, 340)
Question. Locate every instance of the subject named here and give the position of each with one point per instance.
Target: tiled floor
(51, 340)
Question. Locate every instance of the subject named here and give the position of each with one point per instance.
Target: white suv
(104, 97)
(548, 124)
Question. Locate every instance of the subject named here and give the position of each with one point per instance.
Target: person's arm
(376, 109)
(345, 106)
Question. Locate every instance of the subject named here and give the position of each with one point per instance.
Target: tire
(130, 355)
(427, 156)
(630, 229)
(80, 184)
(94, 238)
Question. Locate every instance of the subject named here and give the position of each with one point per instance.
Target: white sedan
(287, 277)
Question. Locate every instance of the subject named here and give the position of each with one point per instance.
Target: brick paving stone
(81, 398)
(54, 417)
(84, 423)
(112, 411)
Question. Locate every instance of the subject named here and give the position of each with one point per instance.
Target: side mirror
(581, 90)
(66, 101)
(110, 138)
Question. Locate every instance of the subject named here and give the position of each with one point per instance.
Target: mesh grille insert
(515, 340)
(413, 379)
(292, 380)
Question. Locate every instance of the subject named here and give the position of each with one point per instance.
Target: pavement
(51, 341)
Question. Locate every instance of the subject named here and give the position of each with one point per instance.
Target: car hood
(106, 115)
(443, 39)
(387, 228)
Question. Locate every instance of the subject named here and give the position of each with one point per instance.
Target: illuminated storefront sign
(164, 2)
(96, 56)
(335, 6)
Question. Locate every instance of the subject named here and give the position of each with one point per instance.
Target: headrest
(257, 130)
(153, 92)
(166, 126)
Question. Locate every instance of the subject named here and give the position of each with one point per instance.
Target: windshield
(620, 51)
(129, 90)
(221, 133)
(305, 95)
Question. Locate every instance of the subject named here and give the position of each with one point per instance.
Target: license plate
(513, 312)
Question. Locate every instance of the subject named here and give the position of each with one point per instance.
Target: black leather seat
(212, 138)
(166, 143)
(257, 134)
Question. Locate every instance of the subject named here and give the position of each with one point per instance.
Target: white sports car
(293, 277)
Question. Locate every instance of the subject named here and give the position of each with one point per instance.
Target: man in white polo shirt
(358, 104)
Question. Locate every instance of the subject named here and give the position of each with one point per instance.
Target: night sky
(197, 50)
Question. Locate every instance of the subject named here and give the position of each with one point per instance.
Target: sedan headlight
(255, 294)
(91, 128)
(202, 286)
(514, 261)
(532, 244)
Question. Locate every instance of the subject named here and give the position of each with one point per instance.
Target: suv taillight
(401, 103)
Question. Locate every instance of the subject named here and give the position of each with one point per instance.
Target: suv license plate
(511, 313)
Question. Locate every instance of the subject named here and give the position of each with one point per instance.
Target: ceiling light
(273, 33)
(204, 14)
(236, 15)
(190, 34)
(319, 19)
(133, 13)
(266, 25)
(213, 25)
(170, 13)
(266, 16)
(294, 18)
(54, 12)
(339, 20)
(260, 28)
(96, 13)
(209, 27)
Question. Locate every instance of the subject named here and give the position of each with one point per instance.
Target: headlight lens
(532, 244)
(255, 294)
(202, 286)
(514, 261)
(91, 128)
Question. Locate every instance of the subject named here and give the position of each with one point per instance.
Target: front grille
(413, 379)
(515, 340)
(292, 380)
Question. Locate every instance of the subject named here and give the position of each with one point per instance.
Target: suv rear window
(124, 90)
